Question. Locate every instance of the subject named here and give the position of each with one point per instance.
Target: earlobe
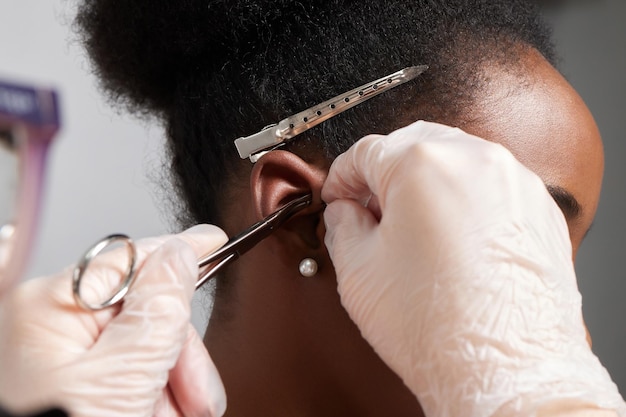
(279, 177)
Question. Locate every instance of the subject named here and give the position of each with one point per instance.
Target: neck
(284, 346)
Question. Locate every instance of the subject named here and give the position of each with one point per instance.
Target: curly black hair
(215, 70)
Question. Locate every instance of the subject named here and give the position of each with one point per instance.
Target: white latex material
(459, 273)
(141, 360)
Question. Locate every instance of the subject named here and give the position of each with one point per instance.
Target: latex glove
(141, 360)
(459, 273)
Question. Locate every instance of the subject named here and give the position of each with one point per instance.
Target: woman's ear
(280, 176)
(276, 179)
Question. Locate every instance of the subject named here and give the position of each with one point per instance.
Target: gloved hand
(142, 359)
(456, 265)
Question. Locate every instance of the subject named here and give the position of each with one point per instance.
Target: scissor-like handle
(81, 267)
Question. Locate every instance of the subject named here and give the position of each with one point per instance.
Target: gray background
(591, 39)
(104, 168)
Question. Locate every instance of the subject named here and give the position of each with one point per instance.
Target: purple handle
(32, 106)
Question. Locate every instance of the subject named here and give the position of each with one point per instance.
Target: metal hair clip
(253, 146)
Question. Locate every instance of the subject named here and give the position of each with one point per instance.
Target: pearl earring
(308, 267)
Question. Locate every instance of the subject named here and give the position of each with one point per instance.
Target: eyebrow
(568, 204)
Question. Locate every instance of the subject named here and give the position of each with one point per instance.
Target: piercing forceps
(210, 265)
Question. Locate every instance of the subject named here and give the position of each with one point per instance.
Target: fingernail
(218, 408)
(217, 396)
(331, 217)
(330, 221)
(188, 257)
(201, 229)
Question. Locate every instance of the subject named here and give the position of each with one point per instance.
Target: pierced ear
(280, 176)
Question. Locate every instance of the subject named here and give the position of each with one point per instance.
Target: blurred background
(591, 40)
(105, 169)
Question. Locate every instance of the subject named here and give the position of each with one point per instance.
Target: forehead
(539, 117)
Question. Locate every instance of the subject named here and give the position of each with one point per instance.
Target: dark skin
(288, 348)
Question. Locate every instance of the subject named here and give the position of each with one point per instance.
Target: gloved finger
(159, 299)
(77, 329)
(368, 166)
(107, 269)
(203, 238)
(110, 268)
(111, 354)
(350, 176)
(195, 382)
(147, 335)
(352, 234)
(166, 405)
(348, 225)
